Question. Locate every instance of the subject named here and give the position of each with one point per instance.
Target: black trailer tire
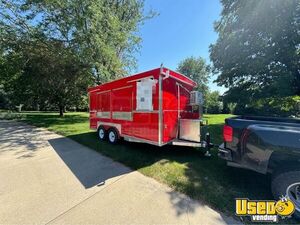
(102, 133)
(113, 136)
(287, 183)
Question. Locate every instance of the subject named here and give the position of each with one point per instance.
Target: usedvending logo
(264, 211)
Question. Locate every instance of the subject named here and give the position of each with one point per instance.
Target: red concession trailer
(158, 107)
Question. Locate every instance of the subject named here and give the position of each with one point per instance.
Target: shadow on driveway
(186, 170)
(88, 166)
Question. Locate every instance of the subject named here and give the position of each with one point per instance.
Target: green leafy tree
(4, 102)
(212, 102)
(103, 32)
(60, 47)
(44, 78)
(197, 70)
(257, 51)
(62, 83)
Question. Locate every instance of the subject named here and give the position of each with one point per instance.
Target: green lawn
(184, 169)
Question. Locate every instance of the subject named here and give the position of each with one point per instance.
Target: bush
(9, 115)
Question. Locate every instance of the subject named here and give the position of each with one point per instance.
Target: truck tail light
(227, 133)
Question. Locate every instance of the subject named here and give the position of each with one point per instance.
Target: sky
(182, 29)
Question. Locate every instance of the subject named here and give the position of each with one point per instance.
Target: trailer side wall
(116, 103)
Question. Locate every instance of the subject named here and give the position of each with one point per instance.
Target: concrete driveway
(48, 179)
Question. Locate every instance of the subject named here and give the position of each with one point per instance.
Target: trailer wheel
(113, 136)
(101, 133)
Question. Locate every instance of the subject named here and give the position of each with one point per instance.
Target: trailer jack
(209, 145)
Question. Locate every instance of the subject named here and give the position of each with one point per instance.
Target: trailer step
(179, 142)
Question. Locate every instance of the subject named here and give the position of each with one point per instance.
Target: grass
(184, 169)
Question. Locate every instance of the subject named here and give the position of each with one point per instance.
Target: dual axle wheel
(111, 134)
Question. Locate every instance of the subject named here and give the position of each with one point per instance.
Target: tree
(257, 52)
(212, 102)
(62, 83)
(103, 32)
(3, 98)
(46, 78)
(197, 70)
(65, 45)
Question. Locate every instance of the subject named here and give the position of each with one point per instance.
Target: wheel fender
(280, 162)
(107, 125)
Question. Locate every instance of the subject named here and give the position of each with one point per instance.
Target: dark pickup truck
(266, 145)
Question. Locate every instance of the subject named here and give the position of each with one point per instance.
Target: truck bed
(258, 141)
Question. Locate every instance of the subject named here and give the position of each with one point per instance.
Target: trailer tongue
(157, 107)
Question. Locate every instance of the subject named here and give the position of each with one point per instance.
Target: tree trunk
(61, 111)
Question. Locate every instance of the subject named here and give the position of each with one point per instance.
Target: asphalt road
(49, 179)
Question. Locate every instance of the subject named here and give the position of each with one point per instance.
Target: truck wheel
(288, 183)
(101, 133)
(113, 136)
